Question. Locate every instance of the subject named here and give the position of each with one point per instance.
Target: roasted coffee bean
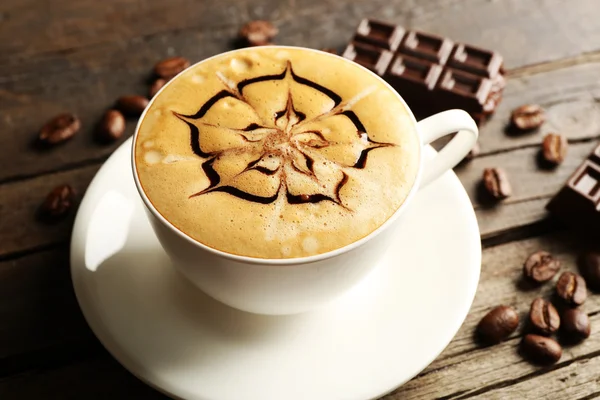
(496, 183)
(170, 67)
(156, 86)
(111, 127)
(541, 266)
(58, 203)
(572, 288)
(132, 105)
(576, 324)
(528, 117)
(544, 317)
(258, 33)
(589, 266)
(554, 148)
(59, 129)
(498, 324)
(541, 349)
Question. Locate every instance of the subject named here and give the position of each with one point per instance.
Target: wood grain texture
(512, 27)
(570, 96)
(86, 54)
(38, 308)
(467, 369)
(20, 229)
(99, 378)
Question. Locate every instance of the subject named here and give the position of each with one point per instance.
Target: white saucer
(362, 346)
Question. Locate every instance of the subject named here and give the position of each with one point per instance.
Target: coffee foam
(277, 153)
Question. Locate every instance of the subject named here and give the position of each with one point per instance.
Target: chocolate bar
(432, 73)
(578, 202)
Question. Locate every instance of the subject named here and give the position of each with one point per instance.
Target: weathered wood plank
(570, 97)
(38, 308)
(465, 367)
(528, 179)
(96, 379)
(20, 228)
(116, 57)
(577, 380)
(512, 26)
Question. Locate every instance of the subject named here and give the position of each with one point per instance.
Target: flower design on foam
(282, 143)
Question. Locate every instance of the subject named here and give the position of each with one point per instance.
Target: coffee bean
(541, 266)
(169, 67)
(58, 203)
(258, 33)
(544, 317)
(156, 86)
(132, 105)
(111, 127)
(541, 349)
(572, 288)
(496, 183)
(589, 266)
(498, 324)
(59, 129)
(528, 117)
(554, 148)
(576, 323)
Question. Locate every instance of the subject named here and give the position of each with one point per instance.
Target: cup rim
(278, 261)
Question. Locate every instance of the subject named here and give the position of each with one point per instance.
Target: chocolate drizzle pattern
(281, 146)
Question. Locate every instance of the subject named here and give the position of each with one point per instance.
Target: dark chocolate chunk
(379, 34)
(432, 73)
(578, 202)
(373, 58)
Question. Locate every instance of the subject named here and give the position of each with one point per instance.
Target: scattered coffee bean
(554, 148)
(132, 105)
(111, 127)
(170, 67)
(59, 129)
(589, 266)
(544, 317)
(498, 324)
(528, 117)
(541, 349)
(541, 266)
(571, 288)
(58, 203)
(156, 86)
(258, 33)
(329, 50)
(496, 183)
(576, 323)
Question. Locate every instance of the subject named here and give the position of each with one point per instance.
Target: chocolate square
(463, 90)
(431, 72)
(475, 60)
(427, 46)
(586, 181)
(379, 34)
(373, 58)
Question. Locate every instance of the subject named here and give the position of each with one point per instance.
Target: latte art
(283, 145)
(276, 153)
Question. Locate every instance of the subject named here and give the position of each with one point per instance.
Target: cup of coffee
(274, 177)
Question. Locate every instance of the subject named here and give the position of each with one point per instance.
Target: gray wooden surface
(79, 56)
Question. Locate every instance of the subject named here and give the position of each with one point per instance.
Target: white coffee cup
(288, 286)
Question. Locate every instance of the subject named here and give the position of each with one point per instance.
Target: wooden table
(79, 56)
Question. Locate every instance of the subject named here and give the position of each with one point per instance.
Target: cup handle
(443, 124)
